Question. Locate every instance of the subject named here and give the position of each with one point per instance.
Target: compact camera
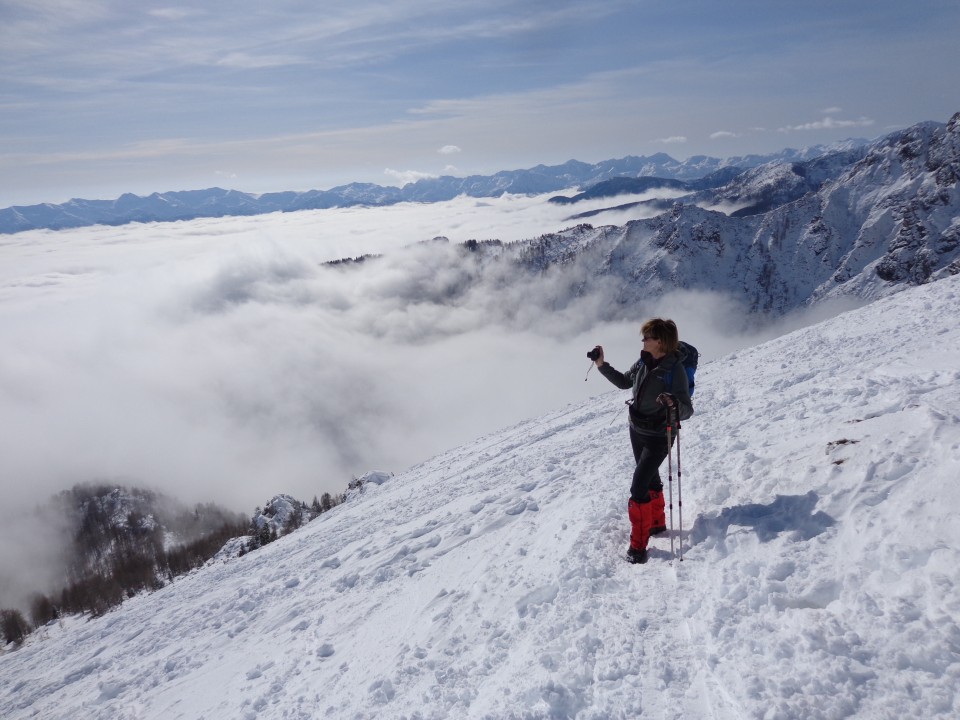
(594, 354)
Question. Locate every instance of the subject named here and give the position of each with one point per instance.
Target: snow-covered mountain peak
(819, 578)
(912, 152)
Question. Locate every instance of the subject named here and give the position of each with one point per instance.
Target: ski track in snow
(819, 577)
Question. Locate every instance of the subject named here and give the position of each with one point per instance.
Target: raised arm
(624, 381)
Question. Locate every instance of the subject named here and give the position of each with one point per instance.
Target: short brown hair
(663, 330)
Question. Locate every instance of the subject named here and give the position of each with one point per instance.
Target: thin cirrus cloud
(295, 98)
(173, 13)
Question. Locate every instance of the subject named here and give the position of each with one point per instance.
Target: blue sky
(101, 97)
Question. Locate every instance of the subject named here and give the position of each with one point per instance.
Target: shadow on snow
(787, 513)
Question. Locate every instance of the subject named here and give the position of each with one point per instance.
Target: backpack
(689, 364)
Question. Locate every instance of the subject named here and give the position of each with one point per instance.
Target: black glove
(596, 355)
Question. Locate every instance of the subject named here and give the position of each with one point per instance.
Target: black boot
(636, 557)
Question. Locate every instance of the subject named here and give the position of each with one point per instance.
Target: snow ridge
(819, 578)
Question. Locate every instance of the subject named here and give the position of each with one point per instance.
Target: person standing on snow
(658, 381)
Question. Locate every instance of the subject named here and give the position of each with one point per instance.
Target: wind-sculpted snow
(819, 579)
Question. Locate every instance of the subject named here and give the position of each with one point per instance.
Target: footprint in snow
(522, 507)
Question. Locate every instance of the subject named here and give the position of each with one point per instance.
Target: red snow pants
(659, 511)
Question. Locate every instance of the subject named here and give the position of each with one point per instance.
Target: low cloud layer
(222, 360)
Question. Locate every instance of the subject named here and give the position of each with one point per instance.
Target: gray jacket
(648, 379)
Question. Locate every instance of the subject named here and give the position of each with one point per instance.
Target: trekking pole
(670, 477)
(628, 403)
(679, 484)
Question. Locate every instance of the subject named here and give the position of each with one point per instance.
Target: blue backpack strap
(690, 361)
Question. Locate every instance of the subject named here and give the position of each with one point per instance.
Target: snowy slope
(819, 577)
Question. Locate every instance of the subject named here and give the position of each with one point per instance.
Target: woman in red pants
(658, 380)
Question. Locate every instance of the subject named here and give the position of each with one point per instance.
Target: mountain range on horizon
(219, 202)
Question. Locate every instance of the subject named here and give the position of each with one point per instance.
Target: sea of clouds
(222, 360)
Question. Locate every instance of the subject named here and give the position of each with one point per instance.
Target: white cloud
(832, 110)
(673, 140)
(172, 13)
(407, 176)
(31, 555)
(255, 61)
(722, 134)
(829, 123)
(449, 150)
(218, 359)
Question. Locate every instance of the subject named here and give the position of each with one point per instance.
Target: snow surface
(819, 576)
